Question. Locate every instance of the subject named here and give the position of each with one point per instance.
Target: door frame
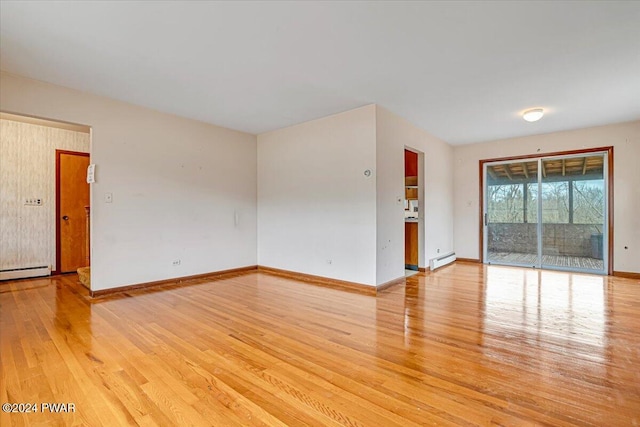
(609, 213)
(58, 231)
(423, 263)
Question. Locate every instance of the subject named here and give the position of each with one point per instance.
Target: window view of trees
(506, 203)
(555, 202)
(577, 202)
(588, 202)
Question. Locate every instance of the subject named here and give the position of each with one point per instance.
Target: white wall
(624, 137)
(315, 203)
(28, 170)
(176, 184)
(393, 135)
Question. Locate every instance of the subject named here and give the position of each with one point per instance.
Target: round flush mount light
(533, 115)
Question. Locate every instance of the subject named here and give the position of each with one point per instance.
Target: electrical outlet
(33, 202)
(329, 261)
(176, 262)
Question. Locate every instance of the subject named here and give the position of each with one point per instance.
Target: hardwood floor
(466, 345)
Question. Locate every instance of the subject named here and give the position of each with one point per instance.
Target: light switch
(108, 197)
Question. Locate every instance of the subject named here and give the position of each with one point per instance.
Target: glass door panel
(511, 213)
(573, 210)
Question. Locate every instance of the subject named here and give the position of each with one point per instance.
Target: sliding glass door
(547, 212)
(573, 206)
(511, 216)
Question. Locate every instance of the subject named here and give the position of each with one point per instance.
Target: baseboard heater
(23, 273)
(442, 261)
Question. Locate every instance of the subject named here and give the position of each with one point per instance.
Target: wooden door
(72, 196)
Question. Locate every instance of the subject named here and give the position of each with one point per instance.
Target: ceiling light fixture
(533, 115)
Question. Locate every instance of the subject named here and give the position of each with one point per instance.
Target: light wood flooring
(466, 345)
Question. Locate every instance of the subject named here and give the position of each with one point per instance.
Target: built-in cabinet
(411, 187)
(411, 245)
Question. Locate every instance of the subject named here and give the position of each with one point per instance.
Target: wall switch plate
(91, 173)
(108, 197)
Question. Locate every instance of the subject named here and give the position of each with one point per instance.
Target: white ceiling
(463, 71)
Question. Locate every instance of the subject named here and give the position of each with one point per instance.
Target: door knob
(66, 218)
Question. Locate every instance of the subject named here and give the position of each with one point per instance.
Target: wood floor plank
(466, 345)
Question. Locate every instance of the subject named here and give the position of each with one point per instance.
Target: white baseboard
(442, 261)
(23, 273)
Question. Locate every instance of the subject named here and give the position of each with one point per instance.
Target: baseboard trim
(627, 274)
(342, 285)
(468, 260)
(174, 281)
(25, 273)
(303, 277)
(391, 283)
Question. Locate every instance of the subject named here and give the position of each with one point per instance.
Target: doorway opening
(413, 216)
(32, 153)
(72, 211)
(551, 211)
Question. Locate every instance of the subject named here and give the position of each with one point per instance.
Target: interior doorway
(28, 194)
(72, 211)
(551, 211)
(413, 217)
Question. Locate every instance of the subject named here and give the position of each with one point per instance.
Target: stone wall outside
(557, 239)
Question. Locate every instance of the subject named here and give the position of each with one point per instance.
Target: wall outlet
(175, 262)
(33, 202)
(329, 261)
(438, 251)
(108, 197)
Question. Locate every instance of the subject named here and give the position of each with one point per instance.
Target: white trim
(24, 273)
(442, 261)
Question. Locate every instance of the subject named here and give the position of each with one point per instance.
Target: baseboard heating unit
(23, 273)
(442, 261)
